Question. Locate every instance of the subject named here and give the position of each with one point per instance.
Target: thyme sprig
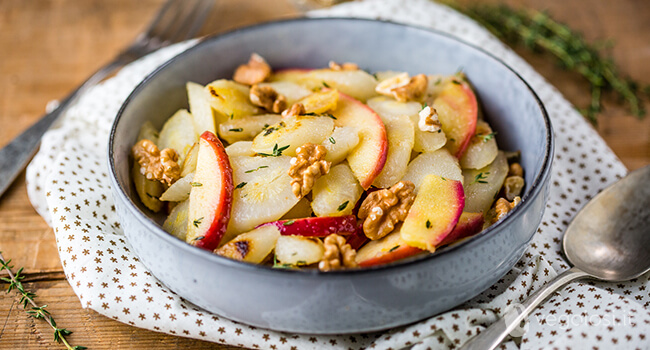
(30, 307)
(539, 32)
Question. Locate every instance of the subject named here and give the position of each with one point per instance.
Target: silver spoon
(608, 240)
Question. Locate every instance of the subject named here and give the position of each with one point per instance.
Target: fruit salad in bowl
(328, 168)
(291, 193)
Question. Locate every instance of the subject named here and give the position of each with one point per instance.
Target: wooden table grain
(47, 47)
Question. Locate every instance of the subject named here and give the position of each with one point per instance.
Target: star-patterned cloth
(68, 185)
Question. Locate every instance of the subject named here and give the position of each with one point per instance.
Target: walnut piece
(295, 110)
(345, 66)
(503, 207)
(403, 88)
(512, 186)
(338, 254)
(306, 167)
(155, 164)
(268, 98)
(254, 72)
(383, 209)
(429, 120)
(515, 170)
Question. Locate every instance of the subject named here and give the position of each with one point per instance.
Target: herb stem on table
(539, 32)
(27, 300)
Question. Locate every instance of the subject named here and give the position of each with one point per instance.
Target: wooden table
(47, 47)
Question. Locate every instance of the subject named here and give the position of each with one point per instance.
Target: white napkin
(68, 185)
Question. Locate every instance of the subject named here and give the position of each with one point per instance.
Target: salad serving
(331, 168)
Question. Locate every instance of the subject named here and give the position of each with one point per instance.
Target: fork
(177, 20)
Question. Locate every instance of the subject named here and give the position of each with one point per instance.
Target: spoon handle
(493, 335)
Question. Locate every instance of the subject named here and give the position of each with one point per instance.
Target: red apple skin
(401, 252)
(380, 149)
(468, 225)
(216, 231)
(317, 226)
(357, 239)
(459, 120)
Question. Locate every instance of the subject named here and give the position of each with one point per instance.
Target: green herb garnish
(332, 141)
(240, 185)
(197, 222)
(487, 137)
(236, 129)
(288, 223)
(196, 184)
(343, 206)
(480, 178)
(256, 169)
(393, 248)
(428, 223)
(277, 151)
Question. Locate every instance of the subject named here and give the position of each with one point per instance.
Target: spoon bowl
(610, 237)
(609, 240)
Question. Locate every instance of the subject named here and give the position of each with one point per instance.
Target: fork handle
(493, 335)
(17, 153)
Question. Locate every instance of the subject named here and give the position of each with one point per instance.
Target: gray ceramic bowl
(346, 301)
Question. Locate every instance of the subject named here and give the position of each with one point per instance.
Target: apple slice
(262, 192)
(482, 149)
(253, 246)
(385, 250)
(291, 91)
(320, 102)
(439, 163)
(202, 113)
(468, 225)
(298, 250)
(457, 111)
(230, 99)
(316, 227)
(246, 128)
(179, 190)
(292, 133)
(356, 83)
(302, 209)
(483, 185)
(342, 141)
(189, 162)
(434, 213)
(240, 148)
(176, 222)
(335, 193)
(178, 133)
(368, 158)
(358, 238)
(424, 141)
(211, 194)
(400, 133)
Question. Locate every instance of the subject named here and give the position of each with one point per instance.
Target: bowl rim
(535, 188)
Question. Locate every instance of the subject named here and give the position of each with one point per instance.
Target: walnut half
(383, 209)
(254, 72)
(503, 207)
(338, 254)
(268, 98)
(155, 164)
(306, 167)
(403, 88)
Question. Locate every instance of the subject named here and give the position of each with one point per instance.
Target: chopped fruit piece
(482, 149)
(468, 225)
(253, 246)
(240, 148)
(298, 251)
(202, 113)
(457, 110)
(189, 161)
(400, 133)
(291, 91)
(386, 250)
(230, 99)
(210, 203)
(320, 102)
(176, 222)
(439, 163)
(149, 191)
(262, 194)
(426, 141)
(178, 133)
(316, 227)
(246, 128)
(179, 190)
(148, 132)
(292, 133)
(357, 239)
(340, 143)
(356, 83)
(332, 190)
(368, 158)
(302, 209)
(483, 185)
(434, 213)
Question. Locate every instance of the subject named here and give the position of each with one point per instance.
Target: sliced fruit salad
(327, 168)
